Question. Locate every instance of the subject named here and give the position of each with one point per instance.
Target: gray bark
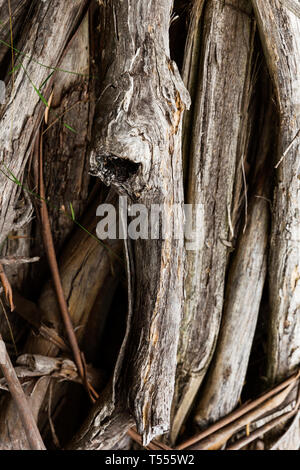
(222, 76)
(280, 35)
(245, 280)
(22, 113)
(138, 151)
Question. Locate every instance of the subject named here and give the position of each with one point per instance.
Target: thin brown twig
(32, 432)
(50, 251)
(153, 445)
(9, 326)
(261, 431)
(237, 413)
(7, 288)
(265, 428)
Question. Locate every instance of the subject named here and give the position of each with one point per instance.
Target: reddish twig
(153, 445)
(32, 432)
(238, 413)
(50, 251)
(7, 288)
(266, 427)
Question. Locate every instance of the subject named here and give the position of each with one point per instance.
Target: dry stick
(32, 433)
(50, 251)
(217, 439)
(267, 427)
(153, 445)
(243, 410)
(238, 413)
(261, 431)
(7, 288)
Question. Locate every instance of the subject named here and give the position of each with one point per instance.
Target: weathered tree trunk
(280, 35)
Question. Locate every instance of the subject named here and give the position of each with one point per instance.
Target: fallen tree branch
(137, 150)
(32, 433)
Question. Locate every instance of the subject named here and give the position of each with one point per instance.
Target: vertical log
(220, 101)
(138, 151)
(245, 281)
(11, 24)
(280, 35)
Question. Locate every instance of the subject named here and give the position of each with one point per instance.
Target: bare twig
(7, 288)
(239, 412)
(153, 445)
(52, 428)
(50, 251)
(288, 147)
(32, 433)
(267, 427)
(246, 194)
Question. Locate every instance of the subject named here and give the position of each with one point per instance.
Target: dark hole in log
(113, 168)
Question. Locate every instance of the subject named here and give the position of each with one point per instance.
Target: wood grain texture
(138, 151)
(221, 76)
(280, 35)
(247, 269)
(19, 10)
(49, 31)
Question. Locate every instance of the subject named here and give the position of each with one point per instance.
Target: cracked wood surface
(22, 113)
(280, 36)
(138, 151)
(223, 46)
